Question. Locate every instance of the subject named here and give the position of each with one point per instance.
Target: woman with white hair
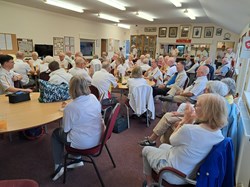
(82, 125)
(44, 66)
(232, 89)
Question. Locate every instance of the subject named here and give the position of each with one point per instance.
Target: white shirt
(133, 83)
(43, 67)
(145, 67)
(102, 80)
(22, 68)
(174, 52)
(78, 71)
(190, 145)
(121, 69)
(202, 53)
(157, 75)
(82, 121)
(96, 64)
(69, 60)
(193, 68)
(36, 62)
(139, 62)
(64, 63)
(171, 70)
(59, 76)
(6, 80)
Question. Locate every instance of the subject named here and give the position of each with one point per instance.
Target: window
(87, 47)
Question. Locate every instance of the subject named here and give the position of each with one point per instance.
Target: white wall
(42, 26)
(138, 30)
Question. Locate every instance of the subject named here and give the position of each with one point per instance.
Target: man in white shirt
(230, 55)
(68, 57)
(113, 63)
(79, 69)
(202, 53)
(58, 75)
(154, 73)
(23, 68)
(139, 62)
(7, 76)
(134, 51)
(171, 70)
(174, 51)
(145, 66)
(35, 60)
(62, 62)
(96, 63)
(103, 79)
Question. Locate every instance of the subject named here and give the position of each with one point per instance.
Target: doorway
(104, 43)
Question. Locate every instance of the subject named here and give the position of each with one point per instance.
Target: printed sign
(245, 50)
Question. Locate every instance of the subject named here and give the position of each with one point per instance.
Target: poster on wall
(69, 44)
(245, 48)
(25, 46)
(58, 44)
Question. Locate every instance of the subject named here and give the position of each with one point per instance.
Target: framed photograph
(197, 32)
(208, 32)
(162, 32)
(185, 31)
(218, 32)
(172, 32)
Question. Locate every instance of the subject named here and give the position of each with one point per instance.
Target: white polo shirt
(59, 76)
(6, 80)
(22, 68)
(78, 71)
(102, 80)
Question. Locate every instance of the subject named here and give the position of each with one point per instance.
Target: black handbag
(18, 97)
(121, 124)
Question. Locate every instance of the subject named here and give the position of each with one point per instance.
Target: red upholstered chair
(19, 183)
(94, 91)
(90, 154)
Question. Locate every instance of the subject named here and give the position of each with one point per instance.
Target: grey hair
(217, 87)
(136, 72)
(231, 85)
(48, 59)
(78, 86)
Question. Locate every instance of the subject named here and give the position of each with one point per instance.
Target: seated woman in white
(82, 125)
(135, 80)
(154, 73)
(58, 75)
(190, 143)
(120, 69)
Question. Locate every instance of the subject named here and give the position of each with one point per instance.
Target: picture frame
(185, 31)
(208, 32)
(197, 32)
(218, 32)
(162, 32)
(172, 32)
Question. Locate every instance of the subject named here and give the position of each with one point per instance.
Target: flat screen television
(44, 50)
(87, 47)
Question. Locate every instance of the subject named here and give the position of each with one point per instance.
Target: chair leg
(65, 168)
(110, 156)
(127, 115)
(147, 118)
(97, 171)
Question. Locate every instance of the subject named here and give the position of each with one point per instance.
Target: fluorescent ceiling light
(114, 3)
(65, 5)
(123, 25)
(189, 14)
(144, 16)
(108, 17)
(176, 3)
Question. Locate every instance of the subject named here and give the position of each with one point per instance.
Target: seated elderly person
(58, 75)
(179, 81)
(79, 69)
(171, 68)
(232, 89)
(190, 143)
(192, 70)
(120, 70)
(166, 125)
(177, 95)
(154, 73)
(135, 80)
(7, 76)
(82, 125)
(223, 70)
(145, 67)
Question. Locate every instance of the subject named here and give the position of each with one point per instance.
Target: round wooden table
(28, 114)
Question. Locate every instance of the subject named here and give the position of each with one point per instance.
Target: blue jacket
(217, 170)
(230, 130)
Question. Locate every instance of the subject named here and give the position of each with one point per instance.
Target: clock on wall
(227, 36)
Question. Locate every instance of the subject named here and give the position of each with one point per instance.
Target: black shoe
(146, 142)
(58, 173)
(144, 184)
(166, 98)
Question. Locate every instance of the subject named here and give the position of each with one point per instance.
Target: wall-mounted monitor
(44, 50)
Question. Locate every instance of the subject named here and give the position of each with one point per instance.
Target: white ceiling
(233, 15)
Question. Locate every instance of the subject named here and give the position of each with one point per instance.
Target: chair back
(142, 100)
(186, 83)
(94, 91)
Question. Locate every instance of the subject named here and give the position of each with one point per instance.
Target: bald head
(19, 55)
(68, 53)
(106, 65)
(78, 54)
(80, 62)
(202, 71)
(171, 61)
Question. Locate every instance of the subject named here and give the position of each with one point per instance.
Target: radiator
(243, 159)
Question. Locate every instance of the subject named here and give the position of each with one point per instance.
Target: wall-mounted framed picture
(208, 32)
(197, 32)
(185, 31)
(149, 29)
(218, 32)
(162, 32)
(172, 32)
